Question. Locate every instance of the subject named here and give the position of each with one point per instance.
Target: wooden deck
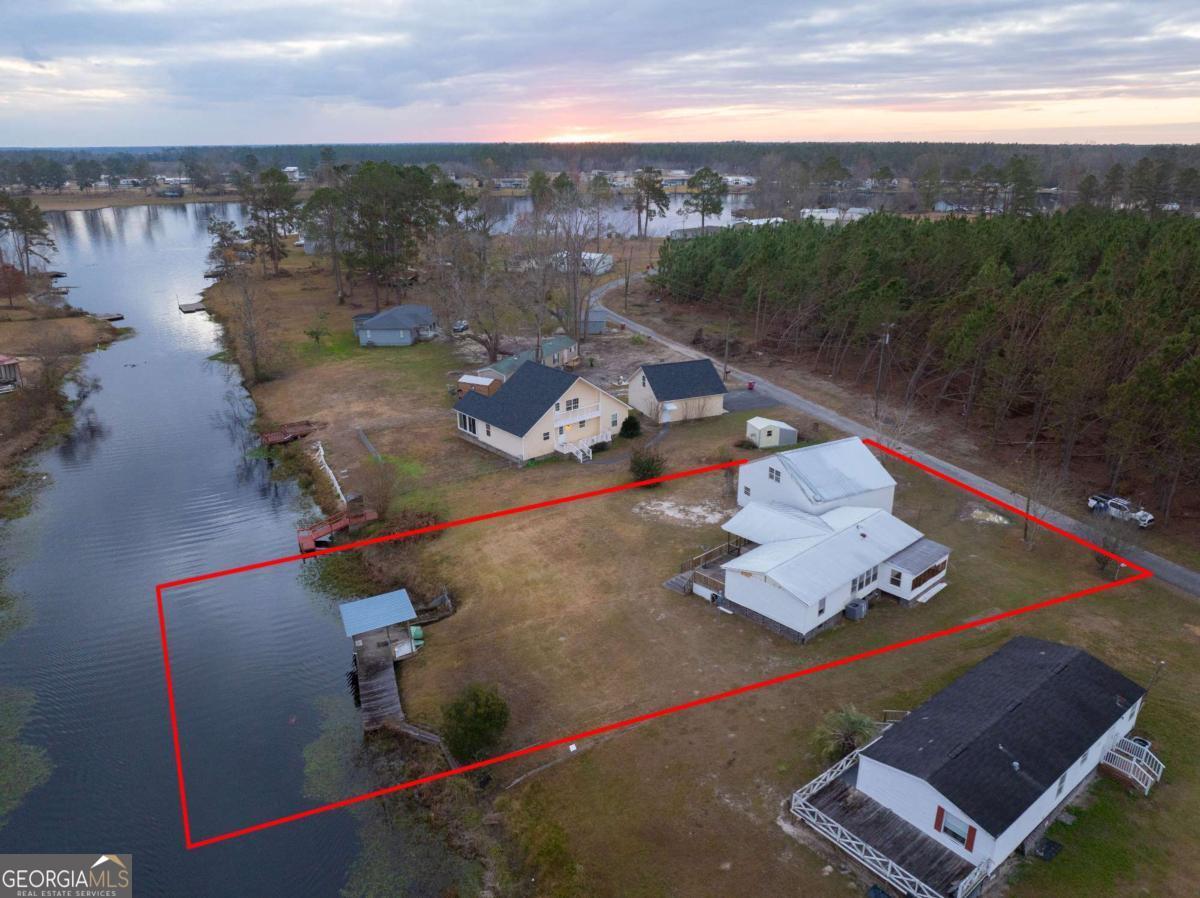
(378, 691)
(936, 866)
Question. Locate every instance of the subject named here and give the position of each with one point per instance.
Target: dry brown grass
(38, 336)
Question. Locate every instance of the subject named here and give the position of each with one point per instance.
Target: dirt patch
(701, 514)
(982, 515)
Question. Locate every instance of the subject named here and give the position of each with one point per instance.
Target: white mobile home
(938, 802)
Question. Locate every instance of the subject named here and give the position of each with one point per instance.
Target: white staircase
(1135, 762)
(582, 449)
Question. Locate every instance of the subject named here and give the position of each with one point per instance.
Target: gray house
(401, 325)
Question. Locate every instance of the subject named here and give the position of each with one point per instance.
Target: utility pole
(883, 346)
(728, 323)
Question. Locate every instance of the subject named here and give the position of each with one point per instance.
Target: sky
(154, 72)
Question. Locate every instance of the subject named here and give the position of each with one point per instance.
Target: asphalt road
(1177, 575)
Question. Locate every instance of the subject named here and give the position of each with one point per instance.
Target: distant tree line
(1072, 330)
(1062, 165)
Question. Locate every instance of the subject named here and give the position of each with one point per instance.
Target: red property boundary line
(1141, 574)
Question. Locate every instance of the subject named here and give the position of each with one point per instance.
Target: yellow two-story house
(540, 410)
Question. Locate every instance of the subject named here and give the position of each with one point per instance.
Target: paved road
(1184, 578)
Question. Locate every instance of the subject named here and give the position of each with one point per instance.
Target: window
(773, 474)
(546, 435)
(613, 422)
(643, 380)
(929, 574)
(487, 429)
(465, 422)
(1062, 784)
(770, 432)
(745, 491)
(957, 830)
(896, 578)
(557, 407)
(821, 607)
(573, 404)
(1083, 760)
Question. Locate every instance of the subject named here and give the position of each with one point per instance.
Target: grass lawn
(563, 610)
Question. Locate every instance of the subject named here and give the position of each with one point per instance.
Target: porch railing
(863, 852)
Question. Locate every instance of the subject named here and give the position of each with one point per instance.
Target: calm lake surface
(624, 221)
(155, 485)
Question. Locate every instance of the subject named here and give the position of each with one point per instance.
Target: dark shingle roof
(1038, 704)
(683, 380)
(403, 317)
(521, 401)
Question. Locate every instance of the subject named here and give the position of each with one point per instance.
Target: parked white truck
(1121, 509)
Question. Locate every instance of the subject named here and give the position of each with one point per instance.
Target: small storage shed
(381, 622)
(767, 432)
(597, 322)
(10, 374)
(474, 383)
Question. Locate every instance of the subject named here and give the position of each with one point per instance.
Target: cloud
(180, 71)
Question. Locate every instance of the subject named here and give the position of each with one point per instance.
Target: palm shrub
(843, 731)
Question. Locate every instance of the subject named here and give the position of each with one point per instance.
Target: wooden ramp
(309, 537)
(378, 691)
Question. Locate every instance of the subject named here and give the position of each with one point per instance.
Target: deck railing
(1140, 753)
(582, 413)
(731, 547)
(1135, 762)
(863, 852)
(708, 581)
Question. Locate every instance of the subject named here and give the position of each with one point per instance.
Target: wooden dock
(308, 537)
(378, 689)
(109, 316)
(188, 307)
(288, 432)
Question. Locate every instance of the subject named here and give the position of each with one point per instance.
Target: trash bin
(749, 385)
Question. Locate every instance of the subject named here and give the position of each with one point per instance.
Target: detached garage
(677, 391)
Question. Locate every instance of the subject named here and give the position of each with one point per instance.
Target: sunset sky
(138, 72)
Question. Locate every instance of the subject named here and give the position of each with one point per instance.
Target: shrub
(637, 340)
(631, 427)
(844, 731)
(602, 446)
(646, 463)
(473, 722)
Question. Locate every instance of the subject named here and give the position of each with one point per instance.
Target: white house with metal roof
(539, 411)
(814, 538)
(942, 798)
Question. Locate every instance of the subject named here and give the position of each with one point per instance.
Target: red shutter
(937, 821)
(970, 846)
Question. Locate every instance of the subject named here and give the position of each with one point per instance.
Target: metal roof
(550, 346)
(758, 422)
(812, 567)
(919, 556)
(365, 615)
(683, 380)
(834, 470)
(403, 317)
(999, 737)
(768, 522)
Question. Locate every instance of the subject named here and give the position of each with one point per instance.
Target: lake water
(624, 221)
(155, 485)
